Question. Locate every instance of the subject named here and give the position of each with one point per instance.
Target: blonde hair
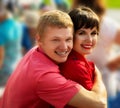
(54, 18)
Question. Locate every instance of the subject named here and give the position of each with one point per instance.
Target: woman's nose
(89, 37)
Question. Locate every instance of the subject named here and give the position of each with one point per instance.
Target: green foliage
(113, 3)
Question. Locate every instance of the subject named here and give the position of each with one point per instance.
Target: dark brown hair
(84, 17)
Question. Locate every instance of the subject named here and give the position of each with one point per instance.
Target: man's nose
(63, 45)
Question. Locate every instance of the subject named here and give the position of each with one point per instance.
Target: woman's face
(85, 40)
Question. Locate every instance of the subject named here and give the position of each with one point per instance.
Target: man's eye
(55, 40)
(69, 40)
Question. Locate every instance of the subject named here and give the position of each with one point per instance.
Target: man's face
(57, 43)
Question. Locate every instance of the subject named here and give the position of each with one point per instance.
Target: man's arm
(96, 98)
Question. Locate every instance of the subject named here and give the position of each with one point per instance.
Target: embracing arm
(96, 98)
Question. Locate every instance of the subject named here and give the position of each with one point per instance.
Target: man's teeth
(62, 53)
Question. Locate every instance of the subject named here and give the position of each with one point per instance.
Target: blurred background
(113, 6)
(26, 13)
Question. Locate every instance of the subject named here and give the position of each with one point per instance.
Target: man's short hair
(54, 18)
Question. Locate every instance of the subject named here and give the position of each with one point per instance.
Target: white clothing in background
(101, 53)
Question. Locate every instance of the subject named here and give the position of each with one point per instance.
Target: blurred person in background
(109, 35)
(63, 5)
(47, 5)
(10, 44)
(11, 5)
(30, 19)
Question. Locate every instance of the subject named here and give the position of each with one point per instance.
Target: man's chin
(62, 60)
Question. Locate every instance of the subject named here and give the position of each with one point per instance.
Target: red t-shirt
(37, 83)
(78, 69)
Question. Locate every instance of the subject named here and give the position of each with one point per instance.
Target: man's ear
(37, 37)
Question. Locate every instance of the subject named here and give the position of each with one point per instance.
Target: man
(37, 82)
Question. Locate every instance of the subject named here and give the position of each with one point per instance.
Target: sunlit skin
(85, 40)
(57, 43)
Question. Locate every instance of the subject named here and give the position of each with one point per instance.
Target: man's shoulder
(39, 59)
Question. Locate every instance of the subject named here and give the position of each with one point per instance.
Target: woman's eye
(81, 33)
(94, 33)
